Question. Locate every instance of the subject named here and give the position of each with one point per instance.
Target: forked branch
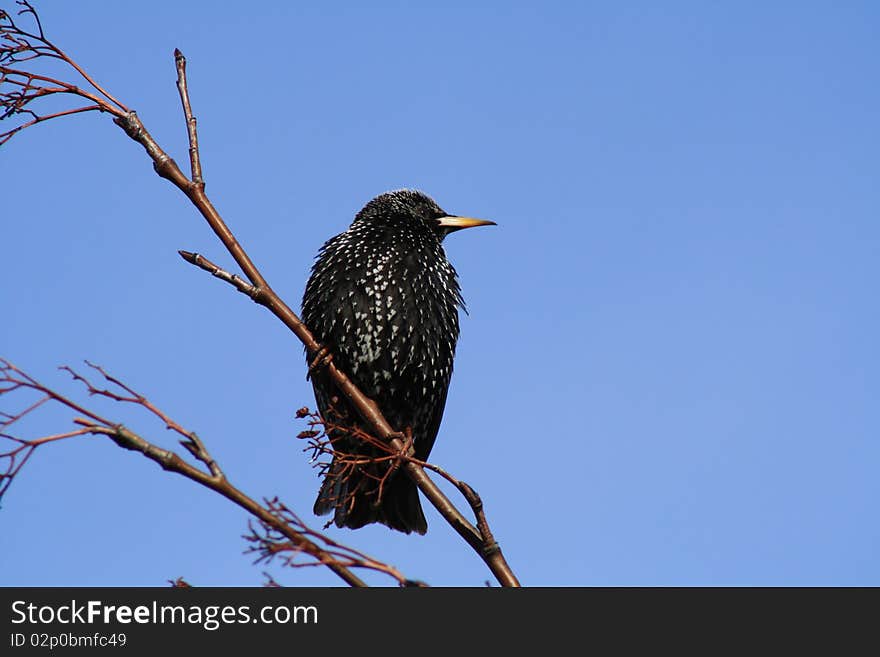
(20, 89)
(282, 531)
(21, 46)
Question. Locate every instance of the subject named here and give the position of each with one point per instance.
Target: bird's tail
(354, 497)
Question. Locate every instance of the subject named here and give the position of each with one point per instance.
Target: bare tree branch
(320, 445)
(282, 531)
(18, 89)
(18, 46)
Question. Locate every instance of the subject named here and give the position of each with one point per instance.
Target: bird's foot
(406, 450)
(321, 360)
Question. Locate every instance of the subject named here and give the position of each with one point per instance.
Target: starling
(383, 299)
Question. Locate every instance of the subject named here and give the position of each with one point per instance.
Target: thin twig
(195, 163)
(233, 279)
(52, 48)
(262, 293)
(320, 444)
(275, 518)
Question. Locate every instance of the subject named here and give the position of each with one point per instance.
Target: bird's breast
(390, 316)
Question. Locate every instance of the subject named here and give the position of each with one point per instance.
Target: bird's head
(411, 208)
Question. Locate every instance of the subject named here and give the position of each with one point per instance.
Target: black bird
(383, 299)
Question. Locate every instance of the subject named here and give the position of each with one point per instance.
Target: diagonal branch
(282, 530)
(259, 290)
(261, 293)
(479, 538)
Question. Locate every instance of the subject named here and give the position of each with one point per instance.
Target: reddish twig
(18, 45)
(276, 520)
(6, 136)
(23, 46)
(191, 441)
(269, 544)
(24, 43)
(319, 445)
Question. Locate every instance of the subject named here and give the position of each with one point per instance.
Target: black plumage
(384, 300)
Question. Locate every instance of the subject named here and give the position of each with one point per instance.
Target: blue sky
(669, 371)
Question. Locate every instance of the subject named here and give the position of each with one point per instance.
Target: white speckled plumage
(384, 299)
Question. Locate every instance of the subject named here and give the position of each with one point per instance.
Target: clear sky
(669, 374)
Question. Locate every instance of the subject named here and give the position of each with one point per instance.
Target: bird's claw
(406, 450)
(321, 360)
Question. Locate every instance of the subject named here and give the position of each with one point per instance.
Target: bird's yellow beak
(457, 223)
